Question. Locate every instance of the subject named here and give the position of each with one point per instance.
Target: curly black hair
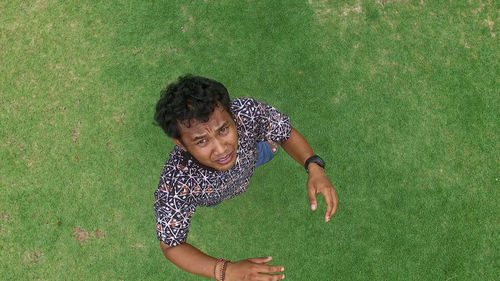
(190, 98)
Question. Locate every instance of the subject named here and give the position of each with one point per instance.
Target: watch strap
(314, 159)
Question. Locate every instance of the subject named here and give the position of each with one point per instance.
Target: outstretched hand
(254, 269)
(318, 182)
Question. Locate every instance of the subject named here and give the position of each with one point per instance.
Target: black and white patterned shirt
(185, 184)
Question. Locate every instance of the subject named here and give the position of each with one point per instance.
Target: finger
(329, 204)
(274, 277)
(261, 260)
(271, 269)
(335, 202)
(312, 198)
(269, 277)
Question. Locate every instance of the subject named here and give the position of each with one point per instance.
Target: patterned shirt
(185, 184)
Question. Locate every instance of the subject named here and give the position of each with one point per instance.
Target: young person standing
(218, 144)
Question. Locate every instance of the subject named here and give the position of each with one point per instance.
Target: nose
(219, 147)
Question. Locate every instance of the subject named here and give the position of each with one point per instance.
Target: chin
(226, 166)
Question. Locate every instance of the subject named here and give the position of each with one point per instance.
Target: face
(212, 143)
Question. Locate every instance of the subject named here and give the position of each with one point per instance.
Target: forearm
(190, 259)
(297, 147)
(300, 150)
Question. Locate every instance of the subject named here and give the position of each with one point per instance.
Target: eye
(224, 129)
(202, 141)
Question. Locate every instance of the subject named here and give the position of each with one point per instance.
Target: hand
(254, 269)
(318, 182)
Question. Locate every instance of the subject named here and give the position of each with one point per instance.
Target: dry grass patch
(82, 235)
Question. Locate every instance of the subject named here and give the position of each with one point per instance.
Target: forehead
(197, 127)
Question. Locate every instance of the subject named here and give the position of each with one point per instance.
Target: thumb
(261, 260)
(312, 199)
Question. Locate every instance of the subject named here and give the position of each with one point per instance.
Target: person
(218, 144)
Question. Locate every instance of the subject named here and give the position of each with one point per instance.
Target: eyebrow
(196, 138)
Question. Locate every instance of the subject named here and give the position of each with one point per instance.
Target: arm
(192, 260)
(300, 150)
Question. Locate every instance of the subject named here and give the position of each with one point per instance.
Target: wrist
(229, 270)
(315, 159)
(314, 168)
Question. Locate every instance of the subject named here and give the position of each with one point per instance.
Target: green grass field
(401, 98)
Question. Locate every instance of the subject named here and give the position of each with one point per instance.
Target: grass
(400, 97)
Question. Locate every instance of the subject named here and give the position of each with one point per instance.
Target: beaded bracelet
(215, 268)
(222, 272)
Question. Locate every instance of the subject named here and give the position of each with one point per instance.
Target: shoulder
(175, 171)
(177, 161)
(248, 107)
(239, 104)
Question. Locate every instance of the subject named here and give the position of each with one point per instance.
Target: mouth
(225, 160)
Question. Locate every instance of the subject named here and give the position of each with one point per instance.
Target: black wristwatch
(314, 159)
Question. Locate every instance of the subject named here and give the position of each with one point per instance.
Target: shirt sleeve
(173, 211)
(271, 125)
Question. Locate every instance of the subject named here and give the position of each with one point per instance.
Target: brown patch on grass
(383, 2)
(6, 217)
(321, 9)
(119, 117)
(356, 9)
(41, 4)
(99, 234)
(491, 25)
(109, 144)
(81, 235)
(75, 135)
(173, 50)
(479, 9)
(13, 142)
(32, 257)
(137, 51)
(465, 44)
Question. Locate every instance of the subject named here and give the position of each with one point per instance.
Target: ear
(178, 142)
